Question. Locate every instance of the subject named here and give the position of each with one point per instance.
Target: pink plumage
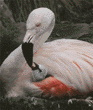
(67, 65)
(70, 62)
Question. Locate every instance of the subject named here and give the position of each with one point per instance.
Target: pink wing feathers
(70, 64)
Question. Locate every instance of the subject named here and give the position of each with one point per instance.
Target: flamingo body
(65, 66)
(70, 63)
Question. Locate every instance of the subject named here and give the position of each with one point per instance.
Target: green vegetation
(33, 103)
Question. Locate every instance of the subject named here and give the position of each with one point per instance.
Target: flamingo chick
(64, 67)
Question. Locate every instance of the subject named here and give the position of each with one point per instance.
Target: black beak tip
(27, 49)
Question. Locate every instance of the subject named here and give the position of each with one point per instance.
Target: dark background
(74, 20)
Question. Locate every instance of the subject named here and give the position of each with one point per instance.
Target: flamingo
(60, 68)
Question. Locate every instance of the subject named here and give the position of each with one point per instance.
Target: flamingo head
(40, 24)
(39, 72)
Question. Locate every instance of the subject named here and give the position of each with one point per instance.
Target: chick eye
(37, 25)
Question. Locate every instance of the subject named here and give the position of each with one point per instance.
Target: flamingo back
(70, 64)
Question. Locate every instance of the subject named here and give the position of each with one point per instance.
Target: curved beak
(28, 46)
(29, 35)
(32, 37)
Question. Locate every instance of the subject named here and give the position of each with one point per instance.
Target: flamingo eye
(37, 25)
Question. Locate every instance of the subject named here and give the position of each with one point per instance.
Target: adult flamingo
(63, 68)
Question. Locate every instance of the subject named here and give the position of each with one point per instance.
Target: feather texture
(70, 62)
(67, 65)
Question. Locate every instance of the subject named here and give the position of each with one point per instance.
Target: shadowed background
(74, 19)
